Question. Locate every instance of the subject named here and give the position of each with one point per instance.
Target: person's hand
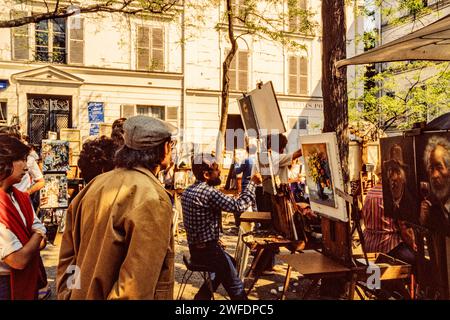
(256, 178)
(424, 212)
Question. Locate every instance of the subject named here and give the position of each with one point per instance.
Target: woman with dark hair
(96, 157)
(22, 234)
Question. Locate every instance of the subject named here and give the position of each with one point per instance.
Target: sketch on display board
(323, 175)
(399, 178)
(55, 155)
(54, 194)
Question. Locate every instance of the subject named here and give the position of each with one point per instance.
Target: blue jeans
(5, 288)
(404, 253)
(224, 271)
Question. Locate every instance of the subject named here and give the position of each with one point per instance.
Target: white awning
(429, 43)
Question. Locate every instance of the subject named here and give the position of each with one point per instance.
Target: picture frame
(70, 134)
(55, 156)
(398, 168)
(55, 192)
(324, 175)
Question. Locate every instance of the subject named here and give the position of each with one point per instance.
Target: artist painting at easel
(276, 145)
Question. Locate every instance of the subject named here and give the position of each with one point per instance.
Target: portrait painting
(54, 194)
(55, 155)
(323, 174)
(399, 178)
(433, 170)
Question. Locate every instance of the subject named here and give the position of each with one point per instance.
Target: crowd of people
(118, 239)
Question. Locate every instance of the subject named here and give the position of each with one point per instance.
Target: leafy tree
(406, 93)
(265, 20)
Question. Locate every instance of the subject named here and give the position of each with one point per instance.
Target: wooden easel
(335, 260)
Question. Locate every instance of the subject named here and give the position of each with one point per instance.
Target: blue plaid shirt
(202, 210)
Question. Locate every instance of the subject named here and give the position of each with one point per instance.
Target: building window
(20, 39)
(239, 71)
(239, 7)
(3, 112)
(294, 9)
(50, 39)
(150, 48)
(298, 123)
(151, 111)
(298, 75)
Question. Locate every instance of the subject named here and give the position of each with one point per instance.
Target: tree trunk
(334, 84)
(226, 83)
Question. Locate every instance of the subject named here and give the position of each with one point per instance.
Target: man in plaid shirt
(202, 211)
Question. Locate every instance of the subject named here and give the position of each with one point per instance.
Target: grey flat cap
(142, 132)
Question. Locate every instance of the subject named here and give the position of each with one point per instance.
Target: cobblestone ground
(267, 287)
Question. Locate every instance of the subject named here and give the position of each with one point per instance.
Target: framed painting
(54, 194)
(55, 156)
(433, 181)
(399, 178)
(323, 175)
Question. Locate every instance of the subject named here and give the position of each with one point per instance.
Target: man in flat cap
(118, 241)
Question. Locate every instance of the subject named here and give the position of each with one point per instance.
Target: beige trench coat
(118, 240)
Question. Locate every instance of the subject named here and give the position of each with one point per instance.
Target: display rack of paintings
(323, 175)
(55, 165)
(54, 194)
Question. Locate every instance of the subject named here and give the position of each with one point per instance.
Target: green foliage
(268, 20)
(406, 93)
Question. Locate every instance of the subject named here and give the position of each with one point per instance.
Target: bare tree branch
(128, 7)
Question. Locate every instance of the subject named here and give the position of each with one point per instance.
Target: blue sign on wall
(94, 130)
(95, 112)
(4, 84)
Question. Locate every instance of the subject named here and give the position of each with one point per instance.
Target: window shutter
(76, 40)
(157, 49)
(293, 74)
(243, 71)
(171, 113)
(20, 38)
(303, 75)
(232, 71)
(127, 110)
(143, 48)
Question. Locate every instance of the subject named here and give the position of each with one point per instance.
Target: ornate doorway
(47, 113)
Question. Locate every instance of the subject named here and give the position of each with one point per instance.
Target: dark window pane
(41, 38)
(41, 53)
(59, 55)
(42, 25)
(59, 40)
(59, 25)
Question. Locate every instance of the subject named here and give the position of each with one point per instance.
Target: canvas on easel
(323, 175)
(400, 192)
